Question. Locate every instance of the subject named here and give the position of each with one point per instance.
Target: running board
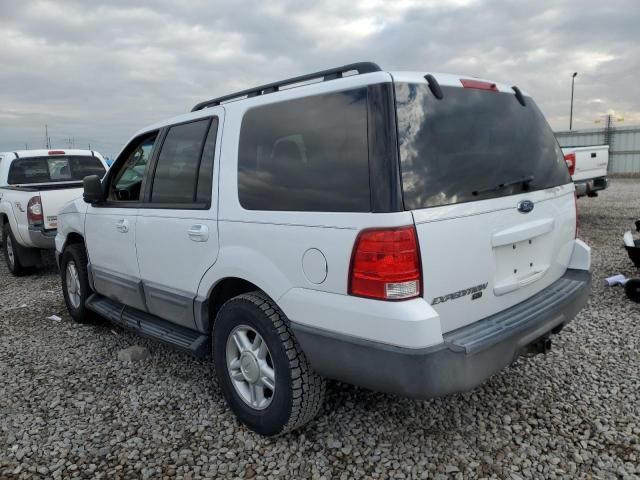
(149, 325)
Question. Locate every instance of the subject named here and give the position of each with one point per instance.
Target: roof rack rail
(330, 74)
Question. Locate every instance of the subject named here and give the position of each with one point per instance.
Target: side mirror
(93, 192)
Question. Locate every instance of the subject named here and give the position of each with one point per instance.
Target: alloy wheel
(73, 284)
(250, 366)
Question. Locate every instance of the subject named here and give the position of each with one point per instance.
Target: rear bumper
(465, 360)
(39, 238)
(591, 186)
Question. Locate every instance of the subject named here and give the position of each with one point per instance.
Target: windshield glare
(472, 145)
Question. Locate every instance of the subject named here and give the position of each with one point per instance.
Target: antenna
(609, 125)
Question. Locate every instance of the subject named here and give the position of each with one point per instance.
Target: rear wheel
(75, 282)
(10, 249)
(264, 375)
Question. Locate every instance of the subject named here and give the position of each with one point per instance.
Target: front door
(110, 227)
(177, 230)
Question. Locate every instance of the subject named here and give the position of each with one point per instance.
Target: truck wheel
(10, 248)
(262, 371)
(75, 282)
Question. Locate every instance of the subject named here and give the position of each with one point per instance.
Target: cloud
(99, 71)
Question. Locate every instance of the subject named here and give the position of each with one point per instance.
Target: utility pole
(47, 140)
(573, 78)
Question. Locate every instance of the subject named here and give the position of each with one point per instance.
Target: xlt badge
(461, 293)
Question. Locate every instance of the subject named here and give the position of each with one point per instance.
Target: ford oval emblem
(525, 206)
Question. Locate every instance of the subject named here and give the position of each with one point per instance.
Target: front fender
(70, 220)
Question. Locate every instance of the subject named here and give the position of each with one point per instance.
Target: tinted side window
(127, 181)
(307, 154)
(176, 174)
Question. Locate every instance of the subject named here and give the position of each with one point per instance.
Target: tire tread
(308, 387)
(79, 254)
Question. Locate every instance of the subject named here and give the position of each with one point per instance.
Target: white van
(408, 232)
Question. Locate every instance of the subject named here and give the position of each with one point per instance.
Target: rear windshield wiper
(525, 181)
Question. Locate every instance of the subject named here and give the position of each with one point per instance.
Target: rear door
(177, 230)
(490, 194)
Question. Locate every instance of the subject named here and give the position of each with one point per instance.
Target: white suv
(406, 232)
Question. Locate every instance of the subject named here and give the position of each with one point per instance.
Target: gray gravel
(69, 408)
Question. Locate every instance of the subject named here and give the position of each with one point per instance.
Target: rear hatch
(490, 194)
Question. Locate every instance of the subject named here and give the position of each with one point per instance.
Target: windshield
(24, 171)
(472, 145)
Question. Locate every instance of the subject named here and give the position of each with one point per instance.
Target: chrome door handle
(122, 225)
(198, 233)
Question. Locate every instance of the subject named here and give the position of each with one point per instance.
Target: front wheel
(264, 375)
(75, 282)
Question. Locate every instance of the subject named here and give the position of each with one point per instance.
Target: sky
(97, 72)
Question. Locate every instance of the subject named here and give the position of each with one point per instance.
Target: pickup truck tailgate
(53, 201)
(590, 162)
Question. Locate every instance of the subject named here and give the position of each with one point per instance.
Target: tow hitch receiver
(542, 345)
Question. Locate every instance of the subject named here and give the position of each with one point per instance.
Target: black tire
(76, 254)
(13, 262)
(299, 391)
(632, 289)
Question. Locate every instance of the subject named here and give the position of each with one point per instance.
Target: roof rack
(330, 74)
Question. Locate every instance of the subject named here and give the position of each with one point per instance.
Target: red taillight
(570, 160)
(479, 85)
(385, 264)
(56, 152)
(34, 212)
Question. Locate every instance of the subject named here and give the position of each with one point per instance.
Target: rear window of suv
(306, 154)
(24, 171)
(472, 145)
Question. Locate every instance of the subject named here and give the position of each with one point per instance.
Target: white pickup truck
(34, 184)
(588, 168)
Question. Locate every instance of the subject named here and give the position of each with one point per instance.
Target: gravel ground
(69, 408)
